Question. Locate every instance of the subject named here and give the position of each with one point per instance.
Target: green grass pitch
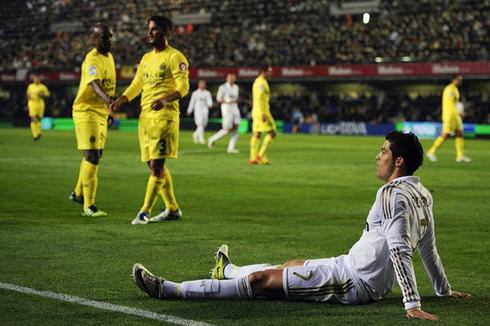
(311, 202)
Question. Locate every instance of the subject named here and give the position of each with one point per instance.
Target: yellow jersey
(159, 74)
(36, 93)
(450, 99)
(88, 103)
(261, 97)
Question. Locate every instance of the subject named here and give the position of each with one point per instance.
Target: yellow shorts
(452, 124)
(90, 134)
(263, 126)
(36, 110)
(159, 138)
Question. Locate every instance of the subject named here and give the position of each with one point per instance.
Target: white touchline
(103, 305)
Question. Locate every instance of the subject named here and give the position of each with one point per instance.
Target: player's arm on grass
(433, 265)
(397, 224)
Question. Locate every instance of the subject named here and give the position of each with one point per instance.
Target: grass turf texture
(311, 202)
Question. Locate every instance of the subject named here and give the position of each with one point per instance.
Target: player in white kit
(228, 97)
(399, 222)
(200, 103)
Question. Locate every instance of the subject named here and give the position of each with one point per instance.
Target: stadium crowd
(240, 33)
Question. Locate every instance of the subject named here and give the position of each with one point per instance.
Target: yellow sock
(78, 187)
(437, 144)
(152, 189)
(33, 129)
(459, 144)
(38, 127)
(266, 144)
(167, 192)
(89, 183)
(254, 148)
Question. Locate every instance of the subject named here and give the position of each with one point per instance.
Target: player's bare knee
(258, 282)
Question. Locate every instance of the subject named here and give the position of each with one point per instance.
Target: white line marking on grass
(103, 305)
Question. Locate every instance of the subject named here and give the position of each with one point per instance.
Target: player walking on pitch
(92, 116)
(262, 118)
(399, 222)
(228, 97)
(36, 93)
(200, 103)
(451, 122)
(162, 78)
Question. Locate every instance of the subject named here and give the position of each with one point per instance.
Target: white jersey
(201, 99)
(399, 222)
(229, 111)
(228, 92)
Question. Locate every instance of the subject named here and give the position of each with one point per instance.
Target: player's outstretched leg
(160, 288)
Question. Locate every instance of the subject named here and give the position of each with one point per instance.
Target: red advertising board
(381, 70)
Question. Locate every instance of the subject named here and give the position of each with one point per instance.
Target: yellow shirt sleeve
(180, 72)
(136, 86)
(94, 69)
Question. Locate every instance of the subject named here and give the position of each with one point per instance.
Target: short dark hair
(161, 21)
(264, 67)
(408, 146)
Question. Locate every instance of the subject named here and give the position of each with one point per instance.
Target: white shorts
(201, 117)
(231, 117)
(323, 280)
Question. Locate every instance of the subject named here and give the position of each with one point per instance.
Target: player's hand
(110, 120)
(117, 103)
(463, 295)
(264, 117)
(417, 313)
(158, 104)
(188, 114)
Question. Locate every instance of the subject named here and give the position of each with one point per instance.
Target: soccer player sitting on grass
(399, 222)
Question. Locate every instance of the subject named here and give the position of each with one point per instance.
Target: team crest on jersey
(92, 70)
(183, 67)
(163, 67)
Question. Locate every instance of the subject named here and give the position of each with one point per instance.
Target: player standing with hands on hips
(200, 103)
(92, 116)
(399, 222)
(36, 93)
(162, 78)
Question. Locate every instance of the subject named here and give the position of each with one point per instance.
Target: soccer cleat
(222, 260)
(262, 160)
(167, 215)
(195, 140)
(75, 199)
(202, 141)
(37, 138)
(93, 211)
(210, 144)
(432, 157)
(233, 151)
(253, 162)
(141, 218)
(147, 282)
(463, 159)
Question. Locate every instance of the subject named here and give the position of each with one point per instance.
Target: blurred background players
(228, 98)
(162, 78)
(200, 103)
(36, 93)
(262, 118)
(92, 116)
(451, 121)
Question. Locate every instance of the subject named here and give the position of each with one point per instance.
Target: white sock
(233, 140)
(200, 133)
(218, 135)
(217, 289)
(232, 271)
